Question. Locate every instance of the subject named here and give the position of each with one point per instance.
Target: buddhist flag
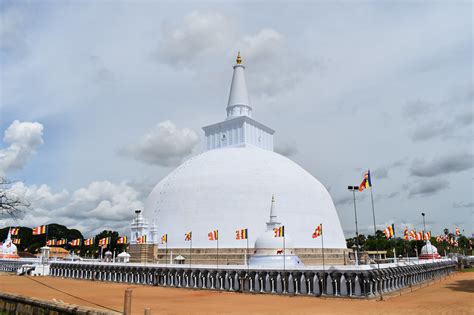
(76, 242)
(40, 230)
(427, 236)
(188, 236)
(419, 236)
(317, 231)
(366, 182)
(141, 239)
(14, 231)
(279, 231)
(241, 234)
(89, 242)
(413, 234)
(16, 241)
(61, 242)
(51, 243)
(213, 235)
(389, 231)
(104, 241)
(457, 232)
(405, 233)
(164, 239)
(122, 240)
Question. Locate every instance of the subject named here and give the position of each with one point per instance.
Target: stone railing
(12, 265)
(17, 304)
(354, 281)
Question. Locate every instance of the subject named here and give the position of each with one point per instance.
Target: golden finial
(239, 59)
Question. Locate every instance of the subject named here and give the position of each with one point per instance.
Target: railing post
(127, 303)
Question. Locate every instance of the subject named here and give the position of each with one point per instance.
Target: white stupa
(270, 250)
(428, 251)
(8, 249)
(228, 187)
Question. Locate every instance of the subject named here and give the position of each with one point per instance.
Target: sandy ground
(453, 295)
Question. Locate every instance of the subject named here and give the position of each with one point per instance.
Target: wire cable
(71, 295)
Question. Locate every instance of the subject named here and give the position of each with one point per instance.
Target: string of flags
(241, 234)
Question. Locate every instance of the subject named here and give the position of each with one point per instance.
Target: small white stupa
(429, 251)
(139, 227)
(8, 249)
(274, 251)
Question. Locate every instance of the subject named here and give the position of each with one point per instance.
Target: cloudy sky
(100, 100)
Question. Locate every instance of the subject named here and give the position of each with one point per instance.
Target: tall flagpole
(247, 254)
(284, 249)
(190, 248)
(375, 236)
(166, 251)
(217, 244)
(322, 246)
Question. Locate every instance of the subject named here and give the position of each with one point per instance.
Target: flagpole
(284, 250)
(217, 244)
(322, 247)
(166, 251)
(190, 249)
(247, 255)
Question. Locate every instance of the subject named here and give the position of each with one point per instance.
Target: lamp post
(353, 189)
(424, 224)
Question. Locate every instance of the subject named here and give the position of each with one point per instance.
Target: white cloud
(206, 36)
(164, 145)
(99, 206)
(23, 139)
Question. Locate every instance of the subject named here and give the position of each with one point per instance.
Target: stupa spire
(239, 104)
(273, 216)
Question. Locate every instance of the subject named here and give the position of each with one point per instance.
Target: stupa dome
(268, 240)
(228, 187)
(429, 249)
(8, 249)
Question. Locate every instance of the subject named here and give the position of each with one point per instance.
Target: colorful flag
(419, 236)
(40, 230)
(51, 242)
(122, 240)
(389, 231)
(457, 232)
(76, 242)
(366, 182)
(141, 239)
(61, 242)
(89, 242)
(14, 231)
(405, 233)
(213, 235)
(317, 231)
(413, 234)
(427, 236)
(164, 239)
(104, 241)
(279, 231)
(16, 241)
(188, 236)
(241, 234)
